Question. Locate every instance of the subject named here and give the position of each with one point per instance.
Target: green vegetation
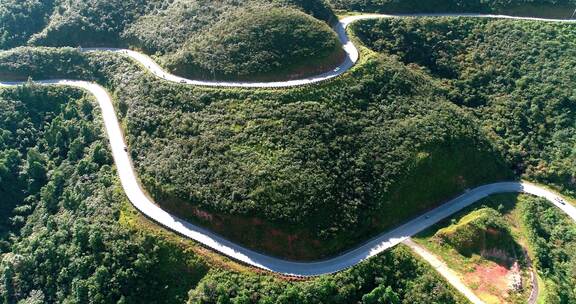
(552, 236)
(548, 235)
(90, 23)
(516, 77)
(541, 8)
(167, 29)
(490, 81)
(60, 242)
(257, 42)
(394, 277)
(480, 231)
(64, 236)
(301, 173)
(306, 168)
(20, 19)
(228, 39)
(487, 247)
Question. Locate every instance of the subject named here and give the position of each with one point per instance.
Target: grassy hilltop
(505, 235)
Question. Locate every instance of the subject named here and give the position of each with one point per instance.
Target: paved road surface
(375, 246)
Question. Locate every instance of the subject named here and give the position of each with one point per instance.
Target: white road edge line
(384, 241)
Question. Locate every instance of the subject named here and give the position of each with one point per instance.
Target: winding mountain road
(389, 239)
(352, 54)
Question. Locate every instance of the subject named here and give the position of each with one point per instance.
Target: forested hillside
(65, 237)
(60, 241)
(19, 20)
(195, 37)
(543, 8)
(516, 77)
(306, 172)
(300, 173)
(259, 41)
(168, 29)
(552, 236)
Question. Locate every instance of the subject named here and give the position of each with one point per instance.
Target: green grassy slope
(479, 231)
(541, 229)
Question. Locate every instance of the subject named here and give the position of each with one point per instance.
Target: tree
(8, 274)
(381, 295)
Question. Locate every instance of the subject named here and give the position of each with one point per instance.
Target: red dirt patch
(491, 279)
(253, 232)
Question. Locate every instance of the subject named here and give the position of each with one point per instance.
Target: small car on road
(560, 201)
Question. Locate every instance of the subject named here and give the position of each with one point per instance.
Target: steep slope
(481, 232)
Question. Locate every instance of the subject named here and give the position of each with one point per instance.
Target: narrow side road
(444, 270)
(454, 279)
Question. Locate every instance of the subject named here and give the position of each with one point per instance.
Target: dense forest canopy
(463, 6)
(63, 239)
(259, 40)
(96, 22)
(315, 161)
(60, 241)
(552, 235)
(177, 30)
(517, 77)
(21, 19)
